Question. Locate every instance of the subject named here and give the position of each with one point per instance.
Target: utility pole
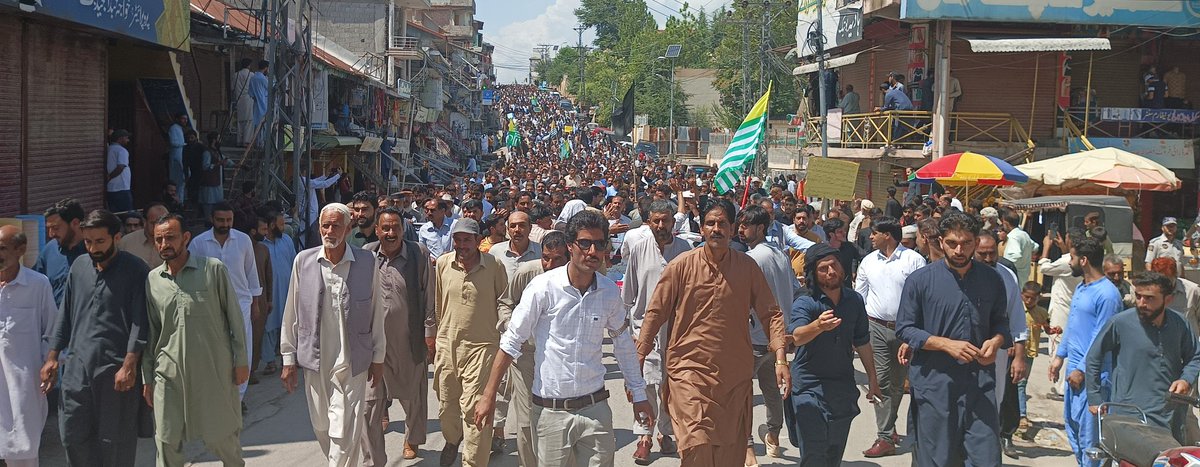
(582, 84)
(671, 119)
(818, 42)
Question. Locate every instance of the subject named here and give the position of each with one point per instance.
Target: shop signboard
(1171, 153)
(163, 22)
(841, 23)
(1134, 114)
(1158, 13)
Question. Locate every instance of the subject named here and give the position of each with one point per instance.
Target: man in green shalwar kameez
(196, 355)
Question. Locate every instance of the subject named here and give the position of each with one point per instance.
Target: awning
(1038, 44)
(831, 63)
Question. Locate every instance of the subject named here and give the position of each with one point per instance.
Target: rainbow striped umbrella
(969, 169)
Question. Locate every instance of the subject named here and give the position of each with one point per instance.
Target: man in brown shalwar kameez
(705, 296)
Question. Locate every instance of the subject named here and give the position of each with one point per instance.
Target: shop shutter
(65, 107)
(10, 116)
(1116, 75)
(1004, 83)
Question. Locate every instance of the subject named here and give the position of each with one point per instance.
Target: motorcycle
(1128, 440)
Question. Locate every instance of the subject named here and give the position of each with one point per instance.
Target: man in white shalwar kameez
(243, 102)
(333, 331)
(27, 315)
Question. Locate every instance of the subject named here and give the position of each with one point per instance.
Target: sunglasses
(586, 245)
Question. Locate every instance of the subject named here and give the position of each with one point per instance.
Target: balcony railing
(1125, 126)
(457, 30)
(910, 129)
(404, 48)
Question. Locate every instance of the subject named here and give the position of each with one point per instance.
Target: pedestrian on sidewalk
(195, 356)
(407, 280)
(953, 318)
(102, 327)
(569, 309)
(521, 373)
(1036, 319)
(27, 302)
(1095, 301)
(1153, 351)
(753, 222)
(646, 252)
(117, 195)
(703, 293)
(177, 140)
(333, 331)
(467, 339)
(827, 327)
(880, 281)
(236, 251)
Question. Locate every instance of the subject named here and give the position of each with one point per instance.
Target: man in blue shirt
(894, 98)
(827, 327)
(1153, 352)
(1096, 300)
(953, 320)
(65, 244)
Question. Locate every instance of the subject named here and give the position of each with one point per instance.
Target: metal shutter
(1004, 82)
(67, 78)
(1116, 75)
(10, 116)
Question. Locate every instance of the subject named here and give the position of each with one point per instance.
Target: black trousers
(1010, 410)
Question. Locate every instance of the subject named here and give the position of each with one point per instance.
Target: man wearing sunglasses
(567, 310)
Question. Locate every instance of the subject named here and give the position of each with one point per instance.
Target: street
(278, 432)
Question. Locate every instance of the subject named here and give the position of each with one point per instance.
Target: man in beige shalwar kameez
(705, 296)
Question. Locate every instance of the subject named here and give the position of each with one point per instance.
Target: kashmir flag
(744, 146)
(564, 151)
(513, 139)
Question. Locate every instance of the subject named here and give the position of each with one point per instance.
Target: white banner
(320, 100)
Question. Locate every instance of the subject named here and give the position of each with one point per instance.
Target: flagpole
(745, 193)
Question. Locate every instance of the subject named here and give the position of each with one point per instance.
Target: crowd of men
(508, 280)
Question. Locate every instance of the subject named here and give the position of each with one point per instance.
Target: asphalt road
(278, 433)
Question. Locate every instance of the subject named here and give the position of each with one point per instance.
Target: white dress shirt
(309, 203)
(238, 255)
(572, 208)
(881, 279)
(1062, 289)
(437, 241)
(568, 331)
(335, 277)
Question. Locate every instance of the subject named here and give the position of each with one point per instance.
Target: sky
(516, 30)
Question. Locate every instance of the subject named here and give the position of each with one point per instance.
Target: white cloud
(515, 41)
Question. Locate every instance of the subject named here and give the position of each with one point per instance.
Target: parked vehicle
(1127, 439)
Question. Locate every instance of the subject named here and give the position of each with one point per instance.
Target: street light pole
(671, 120)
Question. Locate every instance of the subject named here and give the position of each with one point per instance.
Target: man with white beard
(333, 330)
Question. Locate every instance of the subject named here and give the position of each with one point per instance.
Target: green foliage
(626, 50)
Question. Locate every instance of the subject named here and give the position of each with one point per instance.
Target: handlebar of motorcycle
(1182, 399)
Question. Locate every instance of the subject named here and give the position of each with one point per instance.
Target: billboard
(163, 22)
(841, 23)
(1159, 13)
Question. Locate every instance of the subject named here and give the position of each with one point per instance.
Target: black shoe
(1010, 451)
(449, 454)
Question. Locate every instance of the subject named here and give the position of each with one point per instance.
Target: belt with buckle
(573, 403)
(889, 324)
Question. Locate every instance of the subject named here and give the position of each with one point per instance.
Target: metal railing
(910, 129)
(404, 47)
(1095, 126)
(373, 65)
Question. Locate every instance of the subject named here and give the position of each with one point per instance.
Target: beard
(331, 242)
(104, 255)
(1076, 271)
(1148, 315)
(276, 232)
(957, 262)
(257, 237)
(221, 230)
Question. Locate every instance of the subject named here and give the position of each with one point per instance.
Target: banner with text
(830, 178)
